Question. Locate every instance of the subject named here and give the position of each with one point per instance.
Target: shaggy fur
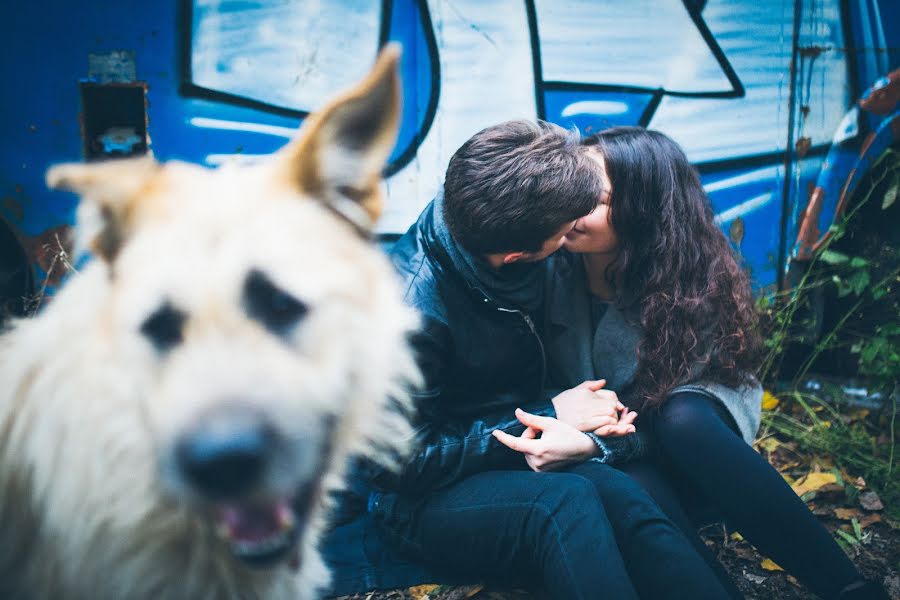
(93, 502)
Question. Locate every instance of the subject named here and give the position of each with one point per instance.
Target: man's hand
(559, 444)
(588, 407)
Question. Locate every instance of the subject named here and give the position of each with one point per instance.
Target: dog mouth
(263, 533)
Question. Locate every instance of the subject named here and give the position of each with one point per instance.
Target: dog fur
(92, 503)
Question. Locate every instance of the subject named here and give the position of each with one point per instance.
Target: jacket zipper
(534, 332)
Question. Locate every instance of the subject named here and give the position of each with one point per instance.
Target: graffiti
(762, 96)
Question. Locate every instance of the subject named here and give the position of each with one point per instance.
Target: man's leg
(518, 527)
(660, 559)
(649, 476)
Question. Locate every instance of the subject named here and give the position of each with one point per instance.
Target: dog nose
(225, 454)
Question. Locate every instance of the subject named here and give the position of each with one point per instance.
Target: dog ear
(109, 192)
(342, 148)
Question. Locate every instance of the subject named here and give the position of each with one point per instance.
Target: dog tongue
(254, 523)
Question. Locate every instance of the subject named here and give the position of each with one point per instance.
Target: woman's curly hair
(696, 309)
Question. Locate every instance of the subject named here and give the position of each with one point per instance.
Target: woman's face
(594, 232)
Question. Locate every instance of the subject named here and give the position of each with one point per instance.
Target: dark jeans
(583, 534)
(705, 468)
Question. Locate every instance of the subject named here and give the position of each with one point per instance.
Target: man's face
(551, 244)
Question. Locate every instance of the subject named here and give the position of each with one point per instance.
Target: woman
(650, 297)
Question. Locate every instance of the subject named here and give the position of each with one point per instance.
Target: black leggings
(704, 464)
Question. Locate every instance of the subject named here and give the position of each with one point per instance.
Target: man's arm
(449, 448)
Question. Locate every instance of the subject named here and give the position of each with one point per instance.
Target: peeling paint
(814, 50)
(116, 66)
(884, 96)
(809, 226)
(802, 146)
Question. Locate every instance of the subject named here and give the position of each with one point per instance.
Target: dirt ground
(877, 557)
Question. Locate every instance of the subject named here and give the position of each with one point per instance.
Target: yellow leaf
(845, 514)
(770, 565)
(826, 424)
(769, 444)
(813, 482)
(769, 401)
(737, 537)
(420, 592)
(859, 413)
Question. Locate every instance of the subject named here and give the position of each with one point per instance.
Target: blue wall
(747, 89)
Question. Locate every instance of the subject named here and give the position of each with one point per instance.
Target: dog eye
(164, 327)
(271, 306)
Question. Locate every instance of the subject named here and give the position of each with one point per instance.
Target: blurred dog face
(260, 330)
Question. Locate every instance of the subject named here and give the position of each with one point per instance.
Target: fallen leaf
(420, 592)
(769, 444)
(869, 519)
(831, 487)
(737, 537)
(860, 483)
(845, 514)
(859, 413)
(812, 482)
(870, 501)
(757, 579)
(769, 401)
(769, 565)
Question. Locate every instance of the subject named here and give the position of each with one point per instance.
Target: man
(466, 506)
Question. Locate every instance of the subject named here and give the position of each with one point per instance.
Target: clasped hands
(550, 444)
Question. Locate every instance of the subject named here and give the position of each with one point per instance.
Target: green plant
(866, 280)
(822, 430)
(856, 538)
(863, 281)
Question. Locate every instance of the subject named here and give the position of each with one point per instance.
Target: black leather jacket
(480, 359)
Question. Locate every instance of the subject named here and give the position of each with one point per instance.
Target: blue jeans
(588, 533)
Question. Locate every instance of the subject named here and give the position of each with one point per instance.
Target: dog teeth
(257, 547)
(285, 517)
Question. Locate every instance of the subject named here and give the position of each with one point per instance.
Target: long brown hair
(696, 309)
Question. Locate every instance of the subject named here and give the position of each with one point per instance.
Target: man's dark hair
(513, 185)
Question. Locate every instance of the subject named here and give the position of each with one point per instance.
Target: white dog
(170, 424)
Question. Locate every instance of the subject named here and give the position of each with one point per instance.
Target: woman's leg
(649, 476)
(661, 560)
(516, 527)
(700, 446)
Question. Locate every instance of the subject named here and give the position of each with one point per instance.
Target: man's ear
(109, 192)
(342, 149)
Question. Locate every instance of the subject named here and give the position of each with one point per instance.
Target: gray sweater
(578, 351)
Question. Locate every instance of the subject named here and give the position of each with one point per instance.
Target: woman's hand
(559, 444)
(588, 407)
(624, 427)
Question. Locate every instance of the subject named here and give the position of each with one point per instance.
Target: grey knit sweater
(577, 350)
